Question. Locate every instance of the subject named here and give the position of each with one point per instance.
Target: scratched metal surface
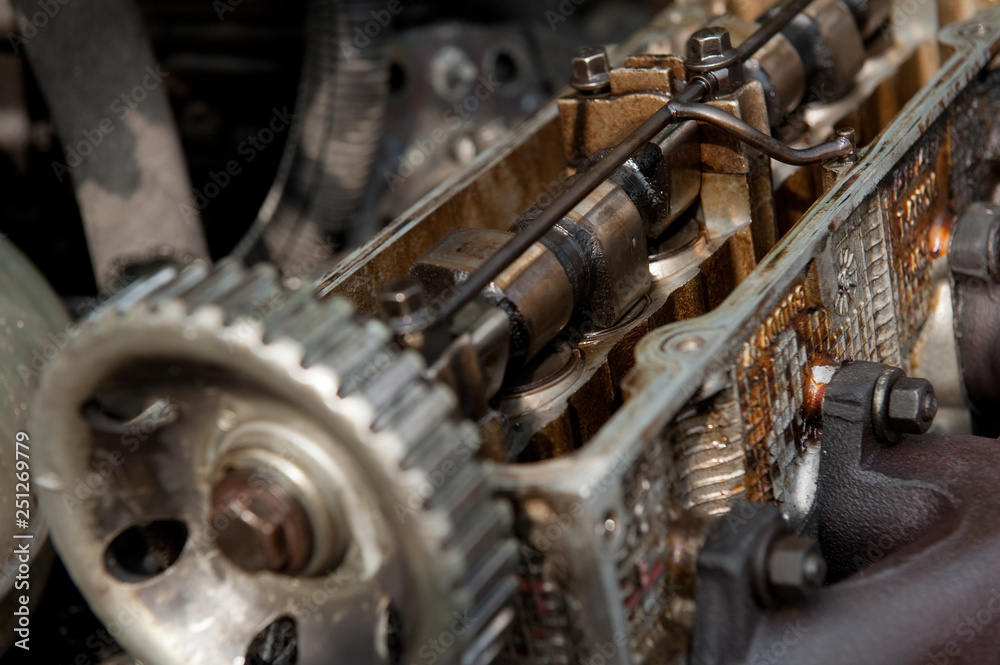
(716, 404)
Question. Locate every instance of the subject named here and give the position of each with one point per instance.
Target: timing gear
(234, 470)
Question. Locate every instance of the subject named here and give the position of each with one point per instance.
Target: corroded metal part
(245, 443)
(707, 419)
(852, 281)
(491, 193)
(897, 523)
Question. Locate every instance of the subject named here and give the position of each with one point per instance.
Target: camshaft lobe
(696, 91)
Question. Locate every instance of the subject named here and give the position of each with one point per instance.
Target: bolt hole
(505, 68)
(397, 78)
(144, 551)
(277, 644)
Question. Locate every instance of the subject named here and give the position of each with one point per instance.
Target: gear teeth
(141, 289)
(490, 584)
(384, 388)
(364, 350)
(479, 532)
(282, 320)
(160, 292)
(460, 493)
(421, 417)
(305, 321)
(319, 327)
(357, 368)
(448, 444)
(410, 394)
(226, 278)
(259, 288)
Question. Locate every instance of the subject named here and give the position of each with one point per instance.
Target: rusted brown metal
(717, 408)
(269, 529)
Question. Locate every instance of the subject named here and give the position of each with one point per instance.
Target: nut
(912, 405)
(708, 45)
(711, 57)
(795, 568)
(261, 526)
(591, 70)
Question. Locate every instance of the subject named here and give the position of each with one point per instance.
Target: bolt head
(709, 45)
(261, 526)
(912, 405)
(795, 568)
(710, 56)
(591, 69)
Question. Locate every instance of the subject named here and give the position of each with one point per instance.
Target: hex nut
(708, 45)
(795, 568)
(912, 405)
(710, 56)
(591, 70)
(261, 526)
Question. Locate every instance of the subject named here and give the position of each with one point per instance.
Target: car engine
(575, 332)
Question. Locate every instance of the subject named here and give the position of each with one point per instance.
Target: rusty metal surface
(852, 280)
(492, 192)
(717, 408)
(899, 525)
(178, 375)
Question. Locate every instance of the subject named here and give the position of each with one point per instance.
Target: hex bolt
(708, 45)
(401, 299)
(912, 405)
(795, 568)
(261, 526)
(710, 56)
(591, 70)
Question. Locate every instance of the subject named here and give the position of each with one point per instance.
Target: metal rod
(772, 147)
(789, 10)
(589, 180)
